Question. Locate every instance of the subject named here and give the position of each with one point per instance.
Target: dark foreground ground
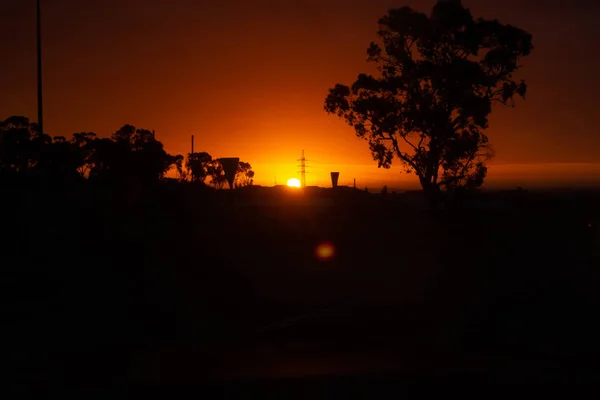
(179, 288)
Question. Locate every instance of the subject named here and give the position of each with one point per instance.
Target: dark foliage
(439, 77)
(130, 156)
(199, 165)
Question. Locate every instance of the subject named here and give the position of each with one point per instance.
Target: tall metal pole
(192, 154)
(39, 68)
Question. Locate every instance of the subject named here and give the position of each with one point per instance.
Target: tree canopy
(130, 154)
(244, 175)
(199, 164)
(203, 166)
(439, 76)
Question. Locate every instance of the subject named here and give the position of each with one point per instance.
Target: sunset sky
(249, 78)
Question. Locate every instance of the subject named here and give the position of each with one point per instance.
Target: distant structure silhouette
(302, 166)
(230, 165)
(39, 67)
(334, 179)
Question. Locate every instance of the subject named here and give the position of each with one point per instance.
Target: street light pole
(39, 68)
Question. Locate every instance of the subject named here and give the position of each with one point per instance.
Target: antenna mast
(192, 154)
(39, 67)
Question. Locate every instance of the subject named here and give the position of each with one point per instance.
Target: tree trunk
(432, 192)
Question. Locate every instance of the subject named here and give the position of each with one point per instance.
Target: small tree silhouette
(130, 155)
(177, 161)
(199, 165)
(244, 175)
(21, 146)
(83, 143)
(217, 174)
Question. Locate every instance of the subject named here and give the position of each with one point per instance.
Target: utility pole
(192, 154)
(39, 68)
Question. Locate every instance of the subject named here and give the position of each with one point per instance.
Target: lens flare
(324, 251)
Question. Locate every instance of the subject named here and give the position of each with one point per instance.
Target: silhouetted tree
(384, 190)
(439, 76)
(244, 174)
(104, 160)
(199, 165)
(217, 174)
(25, 151)
(58, 159)
(130, 155)
(83, 146)
(21, 145)
(177, 161)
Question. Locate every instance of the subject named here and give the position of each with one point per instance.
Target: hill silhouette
(179, 283)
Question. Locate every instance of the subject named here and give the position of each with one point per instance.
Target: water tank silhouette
(230, 165)
(334, 179)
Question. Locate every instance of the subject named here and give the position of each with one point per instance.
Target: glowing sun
(293, 182)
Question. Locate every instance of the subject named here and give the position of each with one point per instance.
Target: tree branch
(421, 141)
(499, 100)
(461, 175)
(466, 166)
(409, 143)
(404, 157)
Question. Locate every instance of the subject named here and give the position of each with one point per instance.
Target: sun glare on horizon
(293, 182)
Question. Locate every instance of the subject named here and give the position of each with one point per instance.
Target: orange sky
(248, 79)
